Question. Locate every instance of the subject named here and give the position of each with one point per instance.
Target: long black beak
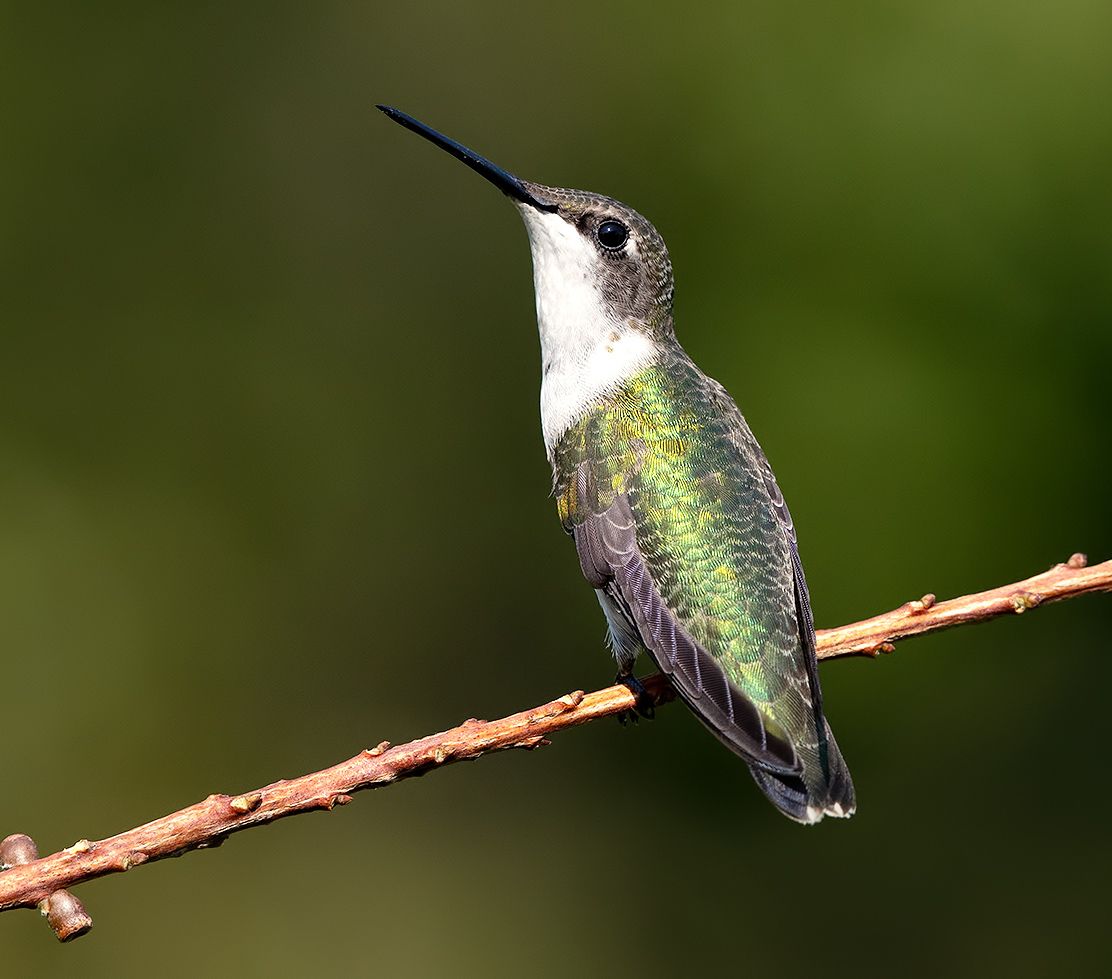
(502, 179)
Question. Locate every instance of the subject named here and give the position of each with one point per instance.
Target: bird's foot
(644, 707)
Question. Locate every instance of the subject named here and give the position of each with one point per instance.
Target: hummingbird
(678, 522)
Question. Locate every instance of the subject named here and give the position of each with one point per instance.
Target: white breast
(585, 352)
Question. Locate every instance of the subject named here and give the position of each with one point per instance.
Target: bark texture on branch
(41, 882)
(65, 914)
(876, 635)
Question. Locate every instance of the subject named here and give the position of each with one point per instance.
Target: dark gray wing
(804, 616)
(609, 556)
(793, 798)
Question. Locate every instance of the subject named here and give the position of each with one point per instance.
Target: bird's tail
(816, 792)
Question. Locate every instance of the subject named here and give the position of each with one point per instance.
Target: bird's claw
(644, 705)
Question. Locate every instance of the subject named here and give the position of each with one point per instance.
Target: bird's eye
(612, 234)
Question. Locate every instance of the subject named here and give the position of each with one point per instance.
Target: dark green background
(272, 487)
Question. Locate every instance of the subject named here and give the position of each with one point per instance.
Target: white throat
(586, 352)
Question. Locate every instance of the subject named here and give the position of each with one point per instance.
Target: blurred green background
(269, 378)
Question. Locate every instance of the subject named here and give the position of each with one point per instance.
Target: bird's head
(594, 258)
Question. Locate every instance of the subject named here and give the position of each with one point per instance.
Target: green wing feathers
(676, 515)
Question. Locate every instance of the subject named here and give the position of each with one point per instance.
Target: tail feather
(808, 797)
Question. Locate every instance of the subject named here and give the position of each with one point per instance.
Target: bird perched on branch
(677, 519)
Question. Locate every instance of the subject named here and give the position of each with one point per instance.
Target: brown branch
(65, 914)
(41, 882)
(876, 635)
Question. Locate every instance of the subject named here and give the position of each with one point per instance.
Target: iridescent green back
(674, 443)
